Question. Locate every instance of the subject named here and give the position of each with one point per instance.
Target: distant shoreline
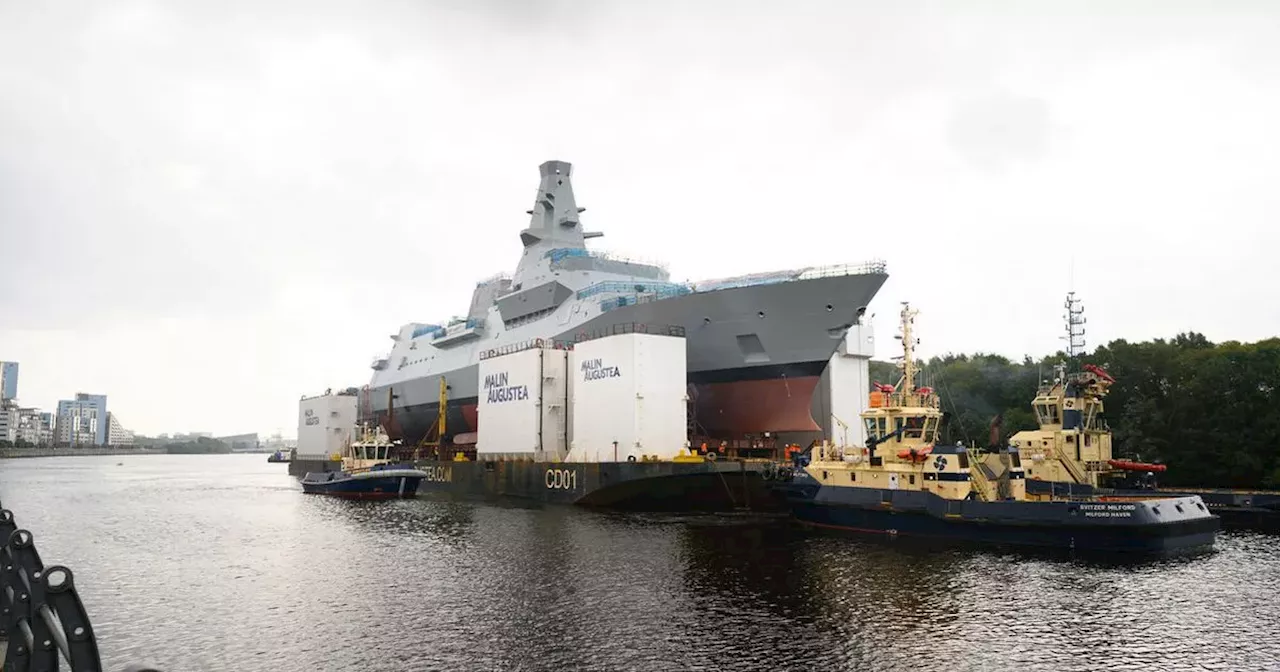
(7, 453)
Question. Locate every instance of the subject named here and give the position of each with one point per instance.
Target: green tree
(1211, 412)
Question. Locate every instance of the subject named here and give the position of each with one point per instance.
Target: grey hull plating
(641, 486)
(796, 326)
(764, 325)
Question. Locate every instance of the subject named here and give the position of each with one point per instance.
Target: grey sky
(208, 209)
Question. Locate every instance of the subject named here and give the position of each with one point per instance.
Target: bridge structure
(43, 623)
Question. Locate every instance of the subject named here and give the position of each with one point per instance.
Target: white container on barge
(627, 398)
(325, 424)
(523, 406)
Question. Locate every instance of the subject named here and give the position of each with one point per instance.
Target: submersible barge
(692, 484)
(598, 422)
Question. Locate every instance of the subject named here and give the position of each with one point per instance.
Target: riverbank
(6, 453)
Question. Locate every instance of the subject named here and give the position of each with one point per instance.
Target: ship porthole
(830, 307)
(760, 314)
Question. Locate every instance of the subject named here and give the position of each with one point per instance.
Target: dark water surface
(221, 563)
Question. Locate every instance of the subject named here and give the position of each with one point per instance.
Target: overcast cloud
(209, 209)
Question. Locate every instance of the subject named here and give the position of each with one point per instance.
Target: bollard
(41, 615)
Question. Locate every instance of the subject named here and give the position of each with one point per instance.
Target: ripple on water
(220, 562)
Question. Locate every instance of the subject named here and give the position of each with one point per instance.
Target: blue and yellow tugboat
(368, 472)
(904, 483)
(1070, 455)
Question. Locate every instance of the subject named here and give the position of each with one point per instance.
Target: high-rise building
(83, 420)
(33, 428)
(8, 381)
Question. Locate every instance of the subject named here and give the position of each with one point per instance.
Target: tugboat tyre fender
(631, 458)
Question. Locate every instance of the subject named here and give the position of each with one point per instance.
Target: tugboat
(368, 472)
(1070, 454)
(903, 482)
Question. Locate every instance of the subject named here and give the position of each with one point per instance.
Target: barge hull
(723, 485)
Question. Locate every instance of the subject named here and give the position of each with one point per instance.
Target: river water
(221, 563)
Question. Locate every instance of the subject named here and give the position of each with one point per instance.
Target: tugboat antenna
(1075, 328)
(909, 343)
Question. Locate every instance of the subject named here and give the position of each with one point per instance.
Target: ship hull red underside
(726, 405)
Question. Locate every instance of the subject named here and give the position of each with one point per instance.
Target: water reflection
(216, 563)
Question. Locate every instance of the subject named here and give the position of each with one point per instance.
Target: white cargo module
(522, 408)
(325, 424)
(627, 398)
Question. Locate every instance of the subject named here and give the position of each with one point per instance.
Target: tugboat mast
(909, 343)
(1075, 328)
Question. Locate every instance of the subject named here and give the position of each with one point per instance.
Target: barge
(602, 421)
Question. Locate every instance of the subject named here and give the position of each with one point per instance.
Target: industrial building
(242, 443)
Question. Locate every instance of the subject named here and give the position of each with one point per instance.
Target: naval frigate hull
(755, 355)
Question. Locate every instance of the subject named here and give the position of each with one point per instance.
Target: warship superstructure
(757, 344)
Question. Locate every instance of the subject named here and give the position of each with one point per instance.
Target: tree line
(1211, 412)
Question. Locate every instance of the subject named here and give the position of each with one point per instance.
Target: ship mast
(909, 342)
(1075, 329)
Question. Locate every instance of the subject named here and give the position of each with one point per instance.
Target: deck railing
(559, 254)
(775, 277)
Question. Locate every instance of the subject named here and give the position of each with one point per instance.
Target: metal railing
(425, 329)
(530, 344)
(43, 621)
(630, 328)
(458, 327)
(581, 336)
(1070, 465)
(978, 477)
(559, 254)
(634, 287)
(776, 277)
